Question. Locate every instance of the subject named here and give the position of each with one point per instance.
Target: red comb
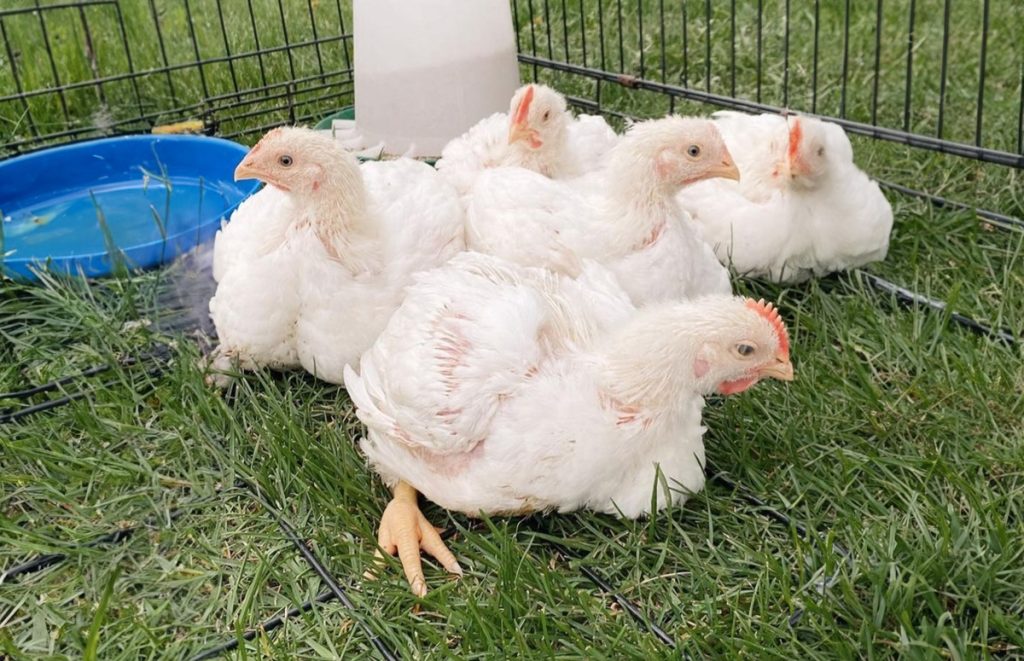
(771, 313)
(524, 106)
(796, 133)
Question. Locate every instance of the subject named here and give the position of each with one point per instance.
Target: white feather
(642, 236)
(419, 221)
(768, 226)
(494, 389)
(309, 278)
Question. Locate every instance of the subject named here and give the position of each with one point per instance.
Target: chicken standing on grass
(538, 133)
(503, 390)
(803, 208)
(335, 263)
(625, 216)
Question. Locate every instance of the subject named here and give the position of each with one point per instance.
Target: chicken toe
(405, 531)
(219, 369)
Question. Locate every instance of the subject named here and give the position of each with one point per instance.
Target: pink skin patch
(700, 367)
(319, 179)
(451, 349)
(626, 414)
(662, 167)
(447, 465)
(736, 386)
(653, 237)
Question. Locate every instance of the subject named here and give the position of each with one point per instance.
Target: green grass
(241, 85)
(901, 439)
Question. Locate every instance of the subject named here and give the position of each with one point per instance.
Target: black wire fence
(930, 76)
(919, 73)
(911, 71)
(90, 68)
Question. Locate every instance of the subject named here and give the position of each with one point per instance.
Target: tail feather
(365, 391)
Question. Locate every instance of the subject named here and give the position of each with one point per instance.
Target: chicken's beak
(520, 132)
(797, 167)
(246, 170)
(726, 169)
(780, 369)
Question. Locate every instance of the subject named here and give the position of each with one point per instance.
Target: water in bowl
(73, 224)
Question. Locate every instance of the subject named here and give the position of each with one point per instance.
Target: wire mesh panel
(912, 71)
(918, 74)
(936, 75)
(904, 70)
(88, 68)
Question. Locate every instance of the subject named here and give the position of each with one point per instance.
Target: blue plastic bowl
(144, 198)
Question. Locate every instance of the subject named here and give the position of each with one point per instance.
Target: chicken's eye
(744, 349)
(693, 151)
(821, 151)
(546, 115)
(285, 160)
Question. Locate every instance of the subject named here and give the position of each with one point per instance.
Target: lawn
(900, 442)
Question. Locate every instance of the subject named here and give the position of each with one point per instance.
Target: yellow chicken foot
(404, 529)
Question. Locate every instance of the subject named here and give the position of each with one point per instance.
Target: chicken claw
(218, 367)
(404, 529)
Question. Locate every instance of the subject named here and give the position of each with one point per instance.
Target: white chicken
(625, 216)
(538, 133)
(803, 208)
(353, 237)
(755, 142)
(256, 228)
(504, 390)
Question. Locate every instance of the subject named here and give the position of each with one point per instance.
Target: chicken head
(813, 149)
(750, 343)
(296, 160)
(682, 151)
(711, 344)
(537, 117)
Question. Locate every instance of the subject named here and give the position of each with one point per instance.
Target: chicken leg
(404, 529)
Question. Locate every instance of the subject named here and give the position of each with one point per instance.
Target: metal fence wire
(915, 72)
(89, 68)
(912, 72)
(908, 71)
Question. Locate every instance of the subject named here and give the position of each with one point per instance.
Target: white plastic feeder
(427, 70)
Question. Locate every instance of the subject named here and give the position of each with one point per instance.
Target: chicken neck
(649, 363)
(338, 213)
(637, 208)
(544, 160)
